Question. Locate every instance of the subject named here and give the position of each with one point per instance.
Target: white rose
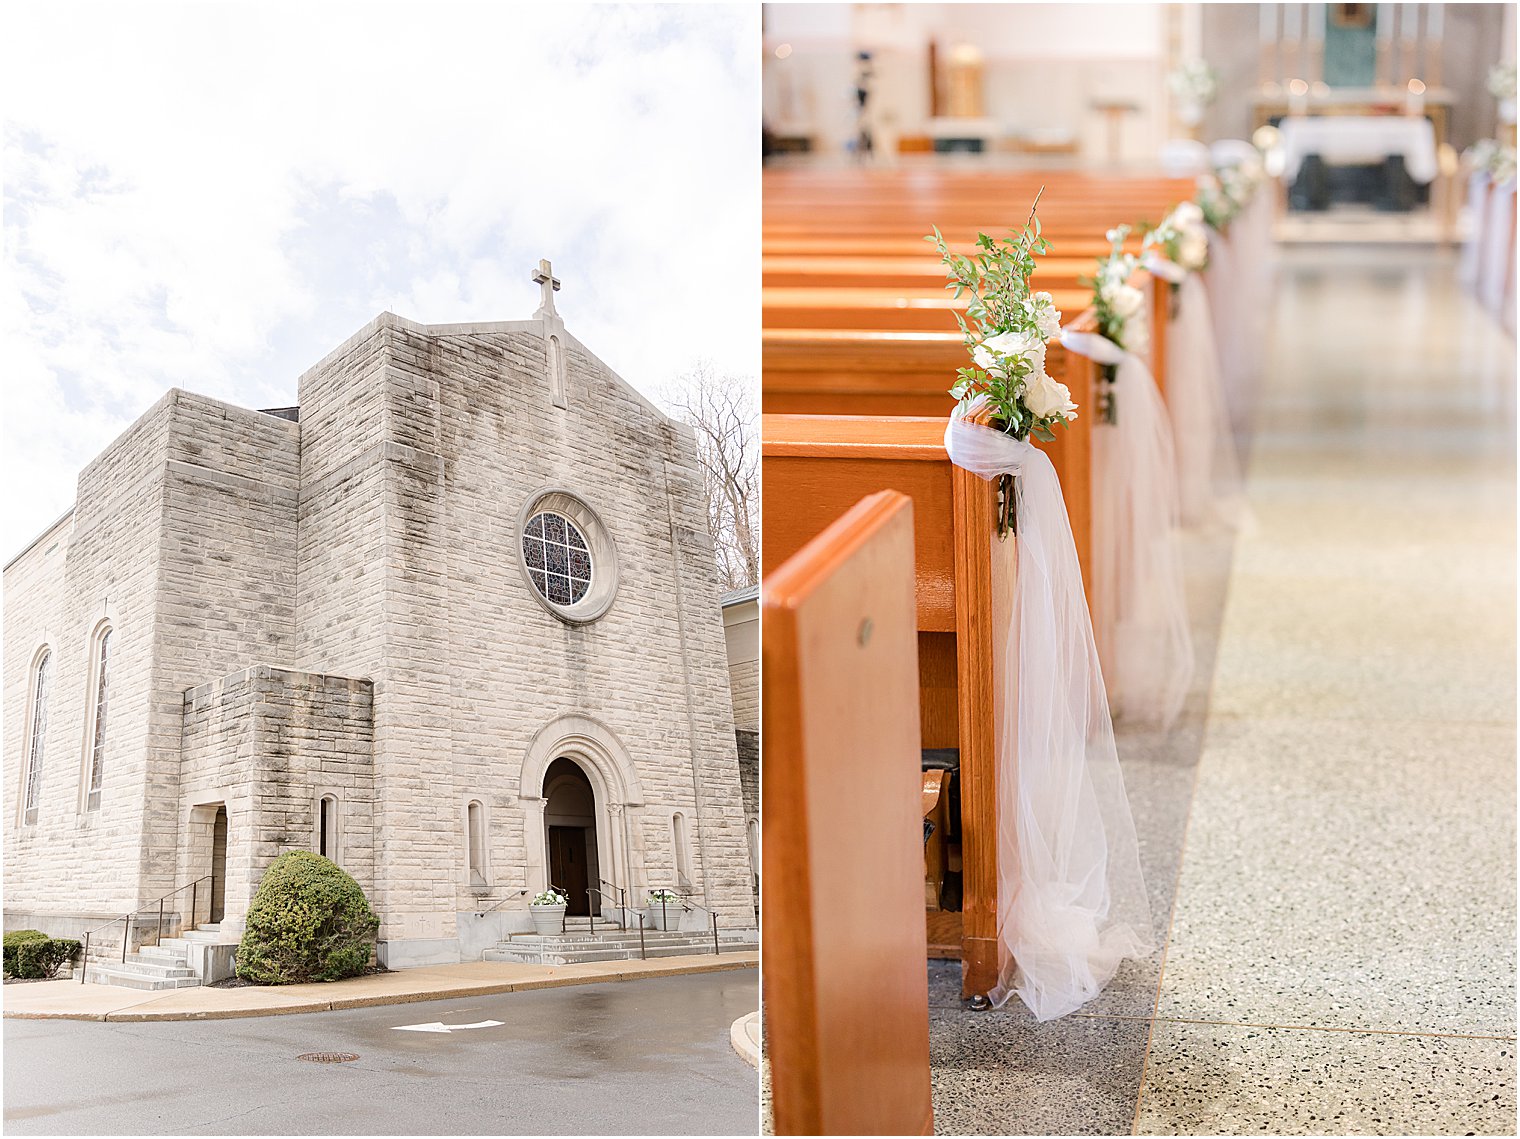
(1187, 214)
(1044, 397)
(1047, 318)
(1125, 300)
(982, 358)
(1194, 250)
(1018, 344)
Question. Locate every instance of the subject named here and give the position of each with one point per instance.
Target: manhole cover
(328, 1057)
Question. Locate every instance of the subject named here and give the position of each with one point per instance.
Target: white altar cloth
(1346, 140)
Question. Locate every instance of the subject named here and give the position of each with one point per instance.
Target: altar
(1318, 150)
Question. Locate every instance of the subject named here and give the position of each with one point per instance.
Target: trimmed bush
(13, 941)
(43, 959)
(309, 921)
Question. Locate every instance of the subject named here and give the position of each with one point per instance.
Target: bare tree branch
(721, 409)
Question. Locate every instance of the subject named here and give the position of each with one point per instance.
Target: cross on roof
(544, 277)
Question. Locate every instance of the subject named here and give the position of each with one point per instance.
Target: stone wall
(99, 565)
(268, 743)
(410, 574)
(251, 565)
(226, 582)
(182, 539)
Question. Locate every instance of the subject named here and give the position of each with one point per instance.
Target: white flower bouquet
(1115, 300)
(551, 897)
(1119, 307)
(1501, 81)
(1195, 82)
(1494, 158)
(669, 897)
(1007, 386)
(1182, 237)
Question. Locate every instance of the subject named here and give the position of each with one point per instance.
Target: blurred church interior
(1109, 86)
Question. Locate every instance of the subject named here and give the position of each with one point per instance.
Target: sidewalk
(69, 1000)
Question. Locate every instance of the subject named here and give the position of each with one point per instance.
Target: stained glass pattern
(558, 558)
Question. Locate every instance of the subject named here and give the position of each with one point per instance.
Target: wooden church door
(567, 866)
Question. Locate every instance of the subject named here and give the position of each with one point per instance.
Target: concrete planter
(663, 917)
(547, 919)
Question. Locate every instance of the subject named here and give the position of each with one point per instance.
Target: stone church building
(453, 622)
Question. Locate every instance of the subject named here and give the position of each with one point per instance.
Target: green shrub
(309, 922)
(13, 941)
(43, 959)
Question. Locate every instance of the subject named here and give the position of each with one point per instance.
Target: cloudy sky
(213, 195)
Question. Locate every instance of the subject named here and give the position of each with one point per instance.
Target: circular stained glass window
(557, 557)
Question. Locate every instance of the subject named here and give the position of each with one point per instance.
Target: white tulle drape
(1477, 209)
(1140, 613)
(1071, 898)
(1219, 281)
(1208, 472)
(1496, 267)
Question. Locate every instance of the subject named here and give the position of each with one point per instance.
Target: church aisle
(1341, 956)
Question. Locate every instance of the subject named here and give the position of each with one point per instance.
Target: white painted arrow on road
(439, 1026)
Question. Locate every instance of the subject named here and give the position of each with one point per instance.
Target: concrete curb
(612, 971)
(745, 1037)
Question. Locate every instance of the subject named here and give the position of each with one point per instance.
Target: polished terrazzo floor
(1329, 836)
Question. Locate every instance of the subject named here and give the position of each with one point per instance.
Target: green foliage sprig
(1005, 327)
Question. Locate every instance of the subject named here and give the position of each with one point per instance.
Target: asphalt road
(627, 1058)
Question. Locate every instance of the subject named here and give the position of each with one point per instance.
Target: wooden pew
(815, 467)
(876, 373)
(846, 991)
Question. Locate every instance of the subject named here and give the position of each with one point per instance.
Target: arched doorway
(570, 826)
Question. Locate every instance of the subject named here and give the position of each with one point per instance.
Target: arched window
(101, 700)
(682, 847)
(32, 781)
(475, 825)
(327, 827)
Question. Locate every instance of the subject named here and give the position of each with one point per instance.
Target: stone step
(162, 953)
(529, 954)
(151, 968)
(581, 956)
(576, 944)
(126, 979)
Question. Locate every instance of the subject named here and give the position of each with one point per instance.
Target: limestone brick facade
(333, 603)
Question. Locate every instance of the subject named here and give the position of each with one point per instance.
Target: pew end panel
(812, 464)
(846, 990)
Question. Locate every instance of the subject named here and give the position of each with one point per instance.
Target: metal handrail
(128, 918)
(498, 905)
(687, 904)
